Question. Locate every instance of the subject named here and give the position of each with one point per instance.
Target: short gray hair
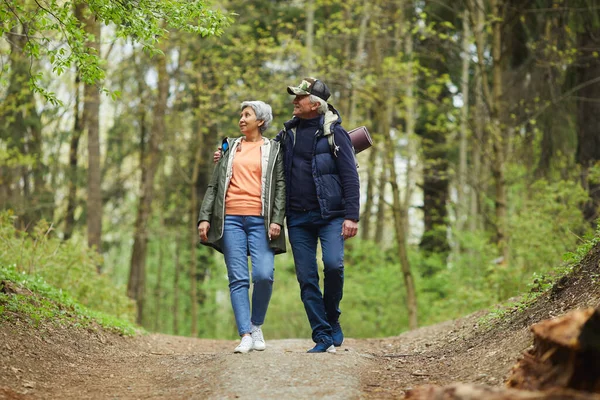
(263, 112)
(323, 107)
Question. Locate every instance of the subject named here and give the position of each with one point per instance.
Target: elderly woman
(242, 214)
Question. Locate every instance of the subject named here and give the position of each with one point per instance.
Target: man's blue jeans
(243, 235)
(304, 229)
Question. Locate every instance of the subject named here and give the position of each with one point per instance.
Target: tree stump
(459, 391)
(565, 354)
(563, 364)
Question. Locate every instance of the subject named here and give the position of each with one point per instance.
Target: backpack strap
(335, 148)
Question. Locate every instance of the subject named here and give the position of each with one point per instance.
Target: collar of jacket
(328, 121)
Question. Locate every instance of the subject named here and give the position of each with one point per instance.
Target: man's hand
(217, 155)
(274, 231)
(349, 228)
(203, 230)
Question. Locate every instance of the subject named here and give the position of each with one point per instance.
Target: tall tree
(151, 158)
(495, 103)
(91, 124)
(588, 115)
(20, 129)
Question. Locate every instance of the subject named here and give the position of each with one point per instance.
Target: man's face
(303, 107)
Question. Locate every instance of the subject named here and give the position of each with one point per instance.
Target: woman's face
(248, 123)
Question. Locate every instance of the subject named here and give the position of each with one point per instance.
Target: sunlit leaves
(53, 31)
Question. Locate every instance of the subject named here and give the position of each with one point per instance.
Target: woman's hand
(274, 231)
(217, 155)
(203, 230)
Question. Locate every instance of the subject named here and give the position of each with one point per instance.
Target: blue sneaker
(323, 346)
(337, 334)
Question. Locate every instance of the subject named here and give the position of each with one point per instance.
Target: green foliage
(69, 266)
(374, 303)
(32, 299)
(544, 281)
(468, 282)
(545, 224)
(144, 21)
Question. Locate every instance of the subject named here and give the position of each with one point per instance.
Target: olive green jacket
(272, 193)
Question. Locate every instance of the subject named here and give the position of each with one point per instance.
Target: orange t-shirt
(244, 192)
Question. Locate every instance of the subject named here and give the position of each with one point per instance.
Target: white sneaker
(258, 341)
(245, 345)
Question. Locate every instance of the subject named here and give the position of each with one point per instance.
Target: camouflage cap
(310, 86)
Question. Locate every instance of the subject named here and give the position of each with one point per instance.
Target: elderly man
(322, 204)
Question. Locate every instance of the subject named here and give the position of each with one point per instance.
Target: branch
(562, 97)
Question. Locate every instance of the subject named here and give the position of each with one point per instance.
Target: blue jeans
(243, 235)
(304, 229)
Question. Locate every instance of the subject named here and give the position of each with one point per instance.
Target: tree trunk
(158, 291)
(588, 106)
(20, 135)
(476, 178)
(358, 62)
(91, 110)
(151, 161)
(499, 136)
(310, 32)
(434, 147)
(365, 219)
(494, 101)
(461, 206)
(176, 278)
(194, 210)
(73, 159)
(399, 229)
(381, 204)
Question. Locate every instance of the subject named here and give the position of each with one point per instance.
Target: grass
(30, 299)
(542, 283)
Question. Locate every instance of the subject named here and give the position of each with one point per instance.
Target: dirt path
(94, 366)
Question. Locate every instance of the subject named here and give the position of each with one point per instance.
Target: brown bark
(91, 111)
(495, 105)
(398, 206)
(137, 273)
(565, 354)
(194, 209)
(381, 206)
(176, 277)
(461, 391)
(399, 229)
(365, 219)
(358, 62)
(310, 33)
(563, 364)
(479, 149)
(461, 206)
(158, 291)
(73, 159)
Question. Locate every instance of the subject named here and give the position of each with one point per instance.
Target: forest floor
(49, 362)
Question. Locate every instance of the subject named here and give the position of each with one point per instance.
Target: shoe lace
(257, 335)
